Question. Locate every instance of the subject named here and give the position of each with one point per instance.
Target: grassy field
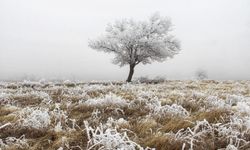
(171, 115)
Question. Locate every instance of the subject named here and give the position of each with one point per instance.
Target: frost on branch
(136, 42)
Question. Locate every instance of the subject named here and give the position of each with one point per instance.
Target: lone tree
(135, 42)
(201, 74)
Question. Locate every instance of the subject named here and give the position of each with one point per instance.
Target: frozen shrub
(159, 79)
(156, 80)
(30, 84)
(34, 117)
(69, 83)
(11, 86)
(143, 79)
(44, 96)
(201, 74)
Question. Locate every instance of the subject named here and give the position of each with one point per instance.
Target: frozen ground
(170, 115)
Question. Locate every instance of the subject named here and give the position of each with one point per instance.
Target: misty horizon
(49, 39)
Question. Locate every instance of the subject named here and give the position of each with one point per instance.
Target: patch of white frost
(107, 100)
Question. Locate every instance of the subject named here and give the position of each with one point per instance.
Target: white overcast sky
(49, 38)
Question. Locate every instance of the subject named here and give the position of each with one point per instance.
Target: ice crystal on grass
(59, 116)
(115, 123)
(94, 87)
(4, 98)
(243, 107)
(5, 125)
(215, 102)
(247, 122)
(108, 100)
(69, 83)
(234, 99)
(28, 83)
(45, 97)
(197, 94)
(58, 127)
(233, 132)
(109, 138)
(231, 147)
(14, 143)
(146, 95)
(157, 109)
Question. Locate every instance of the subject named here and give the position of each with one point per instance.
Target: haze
(49, 38)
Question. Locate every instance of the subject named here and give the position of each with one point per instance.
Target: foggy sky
(49, 38)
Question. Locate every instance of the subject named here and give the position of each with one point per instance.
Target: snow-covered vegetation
(169, 115)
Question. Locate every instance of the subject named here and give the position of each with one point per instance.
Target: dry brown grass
(174, 124)
(80, 113)
(56, 95)
(212, 116)
(54, 140)
(126, 95)
(162, 142)
(26, 100)
(13, 131)
(143, 127)
(5, 111)
(135, 112)
(6, 116)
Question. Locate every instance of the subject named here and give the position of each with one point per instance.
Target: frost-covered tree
(135, 42)
(201, 74)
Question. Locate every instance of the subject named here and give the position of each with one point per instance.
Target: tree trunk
(131, 72)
